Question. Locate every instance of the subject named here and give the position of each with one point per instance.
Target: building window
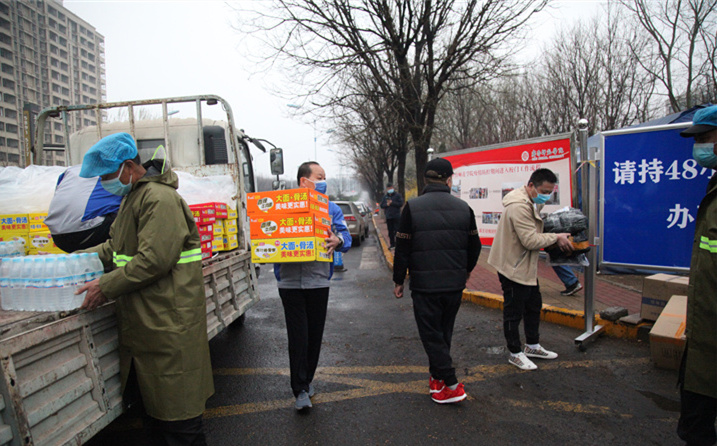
(10, 99)
(13, 143)
(12, 114)
(2, 126)
(59, 139)
(11, 128)
(7, 83)
(5, 68)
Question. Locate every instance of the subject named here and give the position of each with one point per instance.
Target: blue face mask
(116, 187)
(541, 198)
(390, 191)
(321, 187)
(704, 154)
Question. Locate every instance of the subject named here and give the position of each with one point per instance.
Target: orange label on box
(285, 250)
(287, 201)
(289, 225)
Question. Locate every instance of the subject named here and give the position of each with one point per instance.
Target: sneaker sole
(455, 399)
(539, 357)
(435, 391)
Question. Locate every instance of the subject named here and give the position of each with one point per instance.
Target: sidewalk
(610, 290)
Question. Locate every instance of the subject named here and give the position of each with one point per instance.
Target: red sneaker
(436, 385)
(449, 396)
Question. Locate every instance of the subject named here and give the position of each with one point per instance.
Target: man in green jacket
(156, 280)
(698, 373)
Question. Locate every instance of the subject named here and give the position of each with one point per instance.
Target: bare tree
(683, 33)
(413, 49)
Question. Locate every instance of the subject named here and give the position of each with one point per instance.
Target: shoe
(446, 395)
(436, 385)
(303, 401)
(522, 362)
(340, 269)
(539, 353)
(572, 289)
(312, 391)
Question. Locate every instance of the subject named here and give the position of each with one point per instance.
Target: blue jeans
(566, 275)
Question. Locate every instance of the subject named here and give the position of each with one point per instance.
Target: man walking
(438, 242)
(698, 373)
(514, 255)
(157, 282)
(391, 204)
(304, 292)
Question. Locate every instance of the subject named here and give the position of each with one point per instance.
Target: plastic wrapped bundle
(568, 220)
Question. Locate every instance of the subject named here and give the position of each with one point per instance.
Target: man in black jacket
(391, 204)
(438, 242)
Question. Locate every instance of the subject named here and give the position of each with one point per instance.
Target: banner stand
(589, 172)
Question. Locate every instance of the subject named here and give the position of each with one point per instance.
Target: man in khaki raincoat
(698, 374)
(156, 280)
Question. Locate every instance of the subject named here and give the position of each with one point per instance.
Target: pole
(589, 177)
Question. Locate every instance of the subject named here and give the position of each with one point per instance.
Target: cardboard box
(667, 337)
(36, 223)
(230, 242)
(232, 213)
(14, 223)
(657, 290)
(218, 244)
(288, 201)
(284, 250)
(203, 215)
(219, 210)
(230, 227)
(307, 224)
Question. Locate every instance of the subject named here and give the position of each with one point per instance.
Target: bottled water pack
(46, 283)
(11, 248)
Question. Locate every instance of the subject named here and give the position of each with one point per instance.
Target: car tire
(356, 241)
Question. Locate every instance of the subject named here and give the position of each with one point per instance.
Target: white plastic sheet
(216, 188)
(27, 190)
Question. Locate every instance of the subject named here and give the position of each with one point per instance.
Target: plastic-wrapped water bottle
(17, 283)
(96, 265)
(5, 290)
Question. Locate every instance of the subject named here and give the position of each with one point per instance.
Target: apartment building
(48, 57)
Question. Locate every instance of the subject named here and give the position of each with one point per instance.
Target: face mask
(319, 186)
(704, 154)
(116, 187)
(390, 191)
(541, 198)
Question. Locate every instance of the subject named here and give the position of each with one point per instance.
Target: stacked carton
(30, 230)
(205, 217)
(657, 291)
(218, 228)
(667, 337)
(288, 226)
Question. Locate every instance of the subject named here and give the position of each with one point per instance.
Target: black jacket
(437, 240)
(394, 210)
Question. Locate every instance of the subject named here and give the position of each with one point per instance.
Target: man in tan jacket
(514, 254)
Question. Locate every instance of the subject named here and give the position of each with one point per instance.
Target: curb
(556, 315)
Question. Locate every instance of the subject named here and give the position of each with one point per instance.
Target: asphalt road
(372, 382)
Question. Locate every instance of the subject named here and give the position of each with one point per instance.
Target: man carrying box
(698, 373)
(304, 292)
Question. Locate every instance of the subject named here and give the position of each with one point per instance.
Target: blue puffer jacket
(309, 275)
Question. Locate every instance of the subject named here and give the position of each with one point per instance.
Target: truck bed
(60, 372)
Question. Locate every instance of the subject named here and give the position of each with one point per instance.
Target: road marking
(369, 258)
(368, 387)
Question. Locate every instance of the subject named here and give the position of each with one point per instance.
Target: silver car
(366, 214)
(354, 221)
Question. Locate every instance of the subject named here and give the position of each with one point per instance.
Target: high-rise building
(48, 57)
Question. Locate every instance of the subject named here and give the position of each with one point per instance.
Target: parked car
(354, 221)
(366, 214)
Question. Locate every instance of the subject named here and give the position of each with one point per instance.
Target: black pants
(697, 414)
(392, 224)
(75, 241)
(188, 432)
(435, 316)
(305, 314)
(520, 302)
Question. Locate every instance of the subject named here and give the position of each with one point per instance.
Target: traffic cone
(339, 262)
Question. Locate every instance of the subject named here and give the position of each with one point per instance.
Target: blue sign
(652, 190)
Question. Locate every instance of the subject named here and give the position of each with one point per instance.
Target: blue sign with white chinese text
(652, 190)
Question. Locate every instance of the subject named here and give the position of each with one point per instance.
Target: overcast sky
(157, 49)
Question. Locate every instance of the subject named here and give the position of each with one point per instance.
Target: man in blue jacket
(391, 205)
(304, 292)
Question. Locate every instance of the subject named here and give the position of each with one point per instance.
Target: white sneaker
(539, 353)
(522, 362)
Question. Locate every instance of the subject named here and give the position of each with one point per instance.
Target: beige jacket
(519, 239)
